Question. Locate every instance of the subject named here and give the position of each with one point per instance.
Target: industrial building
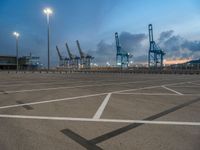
(192, 65)
(29, 62)
(8, 62)
(25, 62)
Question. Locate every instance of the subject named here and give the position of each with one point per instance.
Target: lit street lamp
(16, 34)
(48, 12)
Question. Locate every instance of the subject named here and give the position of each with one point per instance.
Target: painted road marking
(100, 120)
(41, 83)
(80, 86)
(54, 82)
(51, 101)
(149, 87)
(156, 94)
(71, 98)
(102, 107)
(131, 126)
(190, 86)
(64, 87)
(84, 96)
(172, 90)
(25, 106)
(195, 83)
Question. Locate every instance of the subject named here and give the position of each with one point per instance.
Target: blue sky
(94, 22)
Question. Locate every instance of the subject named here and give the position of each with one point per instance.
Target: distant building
(29, 62)
(8, 62)
(192, 64)
(25, 63)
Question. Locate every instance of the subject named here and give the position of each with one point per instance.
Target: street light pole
(16, 34)
(48, 35)
(48, 12)
(17, 52)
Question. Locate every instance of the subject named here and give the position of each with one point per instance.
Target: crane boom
(68, 50)
(60, 56)
(80, 50)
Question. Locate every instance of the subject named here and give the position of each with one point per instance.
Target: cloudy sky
(93, 22)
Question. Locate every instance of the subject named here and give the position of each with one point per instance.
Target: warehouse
(7, 62)
(25, 62)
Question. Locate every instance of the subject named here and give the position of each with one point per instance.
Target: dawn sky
(94, 22)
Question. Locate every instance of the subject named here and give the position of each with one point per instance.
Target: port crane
(122, 57)
(85, 59)
(156, 54)
(73, 59)
(63, 62)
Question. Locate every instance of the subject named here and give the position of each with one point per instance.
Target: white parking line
(51, 101)
(41, 83)
(189, 86)
(172, 90)
(84, 96)
(195, 83)
(156, 94)
(71, 98)
(79, 86)
(54, 82)
(100, 120)
(102, 107)
(149, 87)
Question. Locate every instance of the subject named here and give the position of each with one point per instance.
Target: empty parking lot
(95, 111)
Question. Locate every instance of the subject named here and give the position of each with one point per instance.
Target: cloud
(191, 45)
(105, 53)
(131, 42)
(141, 59)
(173, 44)
(177, 46)
(165, 35)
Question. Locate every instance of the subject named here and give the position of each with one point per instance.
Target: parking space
(99, 111)
(140, 106)
(79, 107)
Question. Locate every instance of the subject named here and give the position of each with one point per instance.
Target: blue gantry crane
(156, 54)
(122, 57)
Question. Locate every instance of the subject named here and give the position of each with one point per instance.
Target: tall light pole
(48, 12)
(16, 34)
